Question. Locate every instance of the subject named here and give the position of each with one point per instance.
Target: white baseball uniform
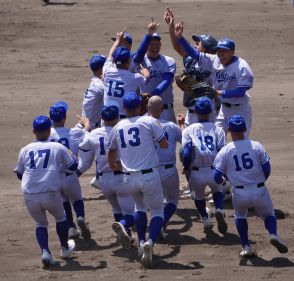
(70, 138)
(118, 82)
(93, 102)
(41, 163)
(163, 64)
(167, 162)
(236, 74)
(241, 162)
(111, 183)
(207, 139)
(134, 139)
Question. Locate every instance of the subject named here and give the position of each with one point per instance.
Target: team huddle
(129, 127)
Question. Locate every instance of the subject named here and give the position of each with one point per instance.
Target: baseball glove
(144, 103)
(193, 87)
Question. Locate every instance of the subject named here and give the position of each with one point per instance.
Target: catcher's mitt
(193, 87)
(145, 97)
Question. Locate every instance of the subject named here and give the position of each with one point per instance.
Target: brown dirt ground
(43, 57)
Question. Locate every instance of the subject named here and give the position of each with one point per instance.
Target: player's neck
(237, 136)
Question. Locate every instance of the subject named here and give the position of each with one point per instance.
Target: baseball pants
(71, 188)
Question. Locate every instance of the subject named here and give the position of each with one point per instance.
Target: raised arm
(170, 20)
(117, 42)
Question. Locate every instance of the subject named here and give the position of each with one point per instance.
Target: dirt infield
(43, 57)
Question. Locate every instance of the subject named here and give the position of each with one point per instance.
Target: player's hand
(120, 35)
(181, 119)
(116, 166)
(145, 95)
(144, 71)
(84, 121)
(218, 94)
(152, 27)
(179, 28)
(169, 18)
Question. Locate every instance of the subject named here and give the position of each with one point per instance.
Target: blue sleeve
(73, 166)
(191, 51)
(266, 168)
(139, 56)
(235, 93)
(218, 176)
(19, 176)
(167, 78)
(187, 155)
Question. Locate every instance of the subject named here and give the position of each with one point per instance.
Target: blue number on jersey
(116, 89)
(208, 140)
(65, 142)
(40, 154)
(247, 162)
(134, 131)
(102, 147)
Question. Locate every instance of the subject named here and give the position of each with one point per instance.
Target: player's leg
(72, 190)
(34, 207)
(54, 205)
(153, 195)
(198, 182)
(264, 208)
(222, 118)
(241, 202)
(170, 184)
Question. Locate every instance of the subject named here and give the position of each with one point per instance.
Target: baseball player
(231, 77)
(167, 159)
(93, 97)
(111, 182)
(71, 188)
(118, 80)
(203, 43)
(201, 142)
(133, 138)
(162, 70)
(246, 164)
(38, 168)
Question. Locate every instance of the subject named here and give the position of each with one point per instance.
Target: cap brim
(195, 37)
(222, 47)
(61, 103)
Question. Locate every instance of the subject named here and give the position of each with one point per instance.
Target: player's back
(98, 140)
(69, 137)
(43, 163)
(134, 138)
(173, 134)
(207, 139)
(243, 162)
(118, 82)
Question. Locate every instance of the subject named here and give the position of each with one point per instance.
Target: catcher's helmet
(208, 42)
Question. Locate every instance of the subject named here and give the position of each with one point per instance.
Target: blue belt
(258, 185)
(197, 169)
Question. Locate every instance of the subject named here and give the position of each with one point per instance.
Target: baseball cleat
(85, 231)
(65, 253)
(276, 241)
(246, 252)
(147, 254)
(94, 183)
(73, 233)
(222, 226)
(122, 235)
(47, 259)
(207, 223)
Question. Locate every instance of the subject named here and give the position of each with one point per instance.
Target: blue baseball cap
(41, 123)
(97, 62)
(226, 43)
(58, 111)
(131, 100)
(155, 36)
(121, 55)
(127, 38)
(207, 41)
(237, 123)
(203, 106)
(109, 112)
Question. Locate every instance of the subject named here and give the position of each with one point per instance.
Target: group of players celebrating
(129, 126)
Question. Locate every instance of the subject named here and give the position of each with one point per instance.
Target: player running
(133, 138)
(201, 141)
(71, 188)
(38, 168)
(246, 164)
(111, 182)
